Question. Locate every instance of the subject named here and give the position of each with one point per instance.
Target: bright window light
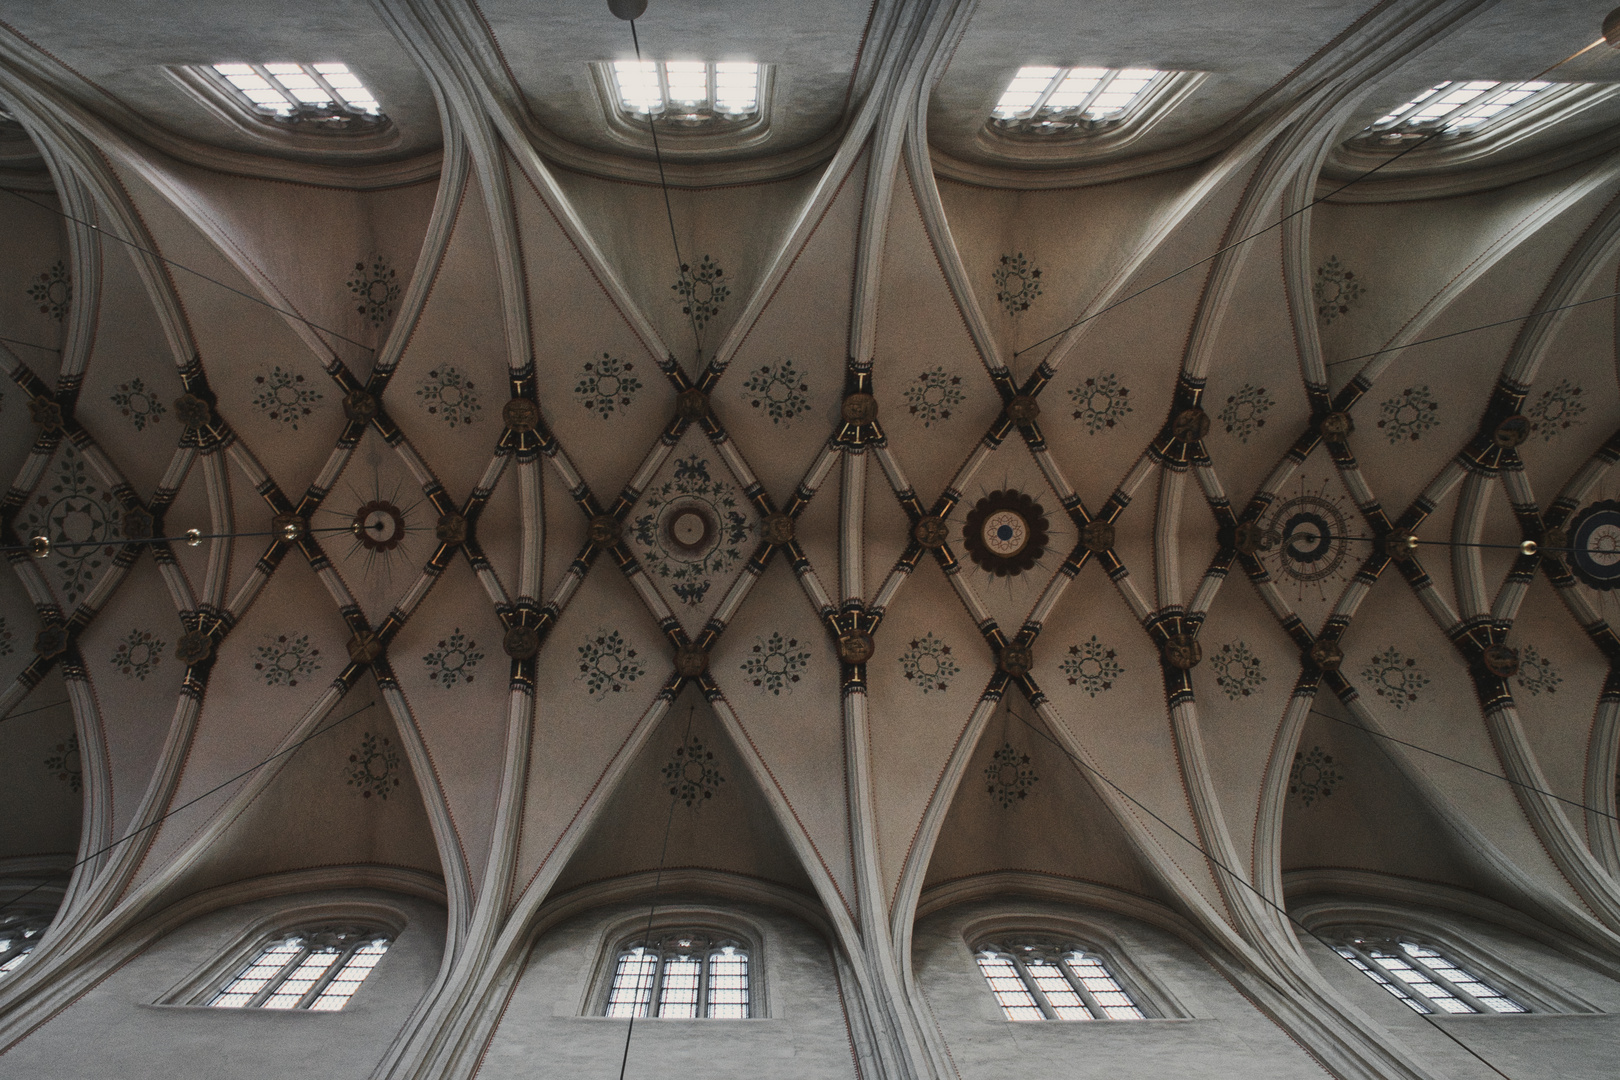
(1454, 108)
(687, 92)
(1051, 100)
(18, 936)
(302, 91)
(1033, 981)
(1423, 978)
(681, 976)
(318, 971)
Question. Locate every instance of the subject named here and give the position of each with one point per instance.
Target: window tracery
(318, 970)
(683, 974)
(1422, 977)
(688, 93)
(1036, 980)
(19, 933)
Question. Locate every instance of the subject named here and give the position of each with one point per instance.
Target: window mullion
(1034, 989)
(657, 989)
(1051, 88)
(1448, 986)
(327, 976)
(277, 979)
(703, 981)
(275, 83)
(1092, 1005)
(338, 100)
(1096, 91)
(1410, 993)
(663, 107)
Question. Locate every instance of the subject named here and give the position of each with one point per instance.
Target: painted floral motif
(1245, 411)
(700, 292)
(606, 385)
(449, 395)
(1092, 666)
(608, 664)
(691, 774)
(933, 394)
(1537, 675)
(1009, 776)
(927, 665)
(138, 403)
(775, 663)
(1018, 281)
(779, 389)
(1396, 678)
(53, 292)
(80, 517)
(65, 763)
(1408, 414)
(138, 654)
(7, 645)
(692, 529)
(284, 397)
(1100, 402)
(1313, 776)
(1336, 290)
(453, 660)
(376, 289)
(374, 767)
(286, 660)
(1237, 670)
(1557, 409)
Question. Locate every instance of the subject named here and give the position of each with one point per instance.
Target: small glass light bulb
(1529, 547)
(193, 537)
(40, 547)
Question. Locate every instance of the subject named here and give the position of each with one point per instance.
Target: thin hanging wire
(1280, 221)
(29, 345)
(663, 186)
(658, 881)
(1474, 329)
(1196, 846)
(198, 273)
(14, 901)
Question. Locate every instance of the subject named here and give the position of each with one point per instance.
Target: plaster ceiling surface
(591, 542)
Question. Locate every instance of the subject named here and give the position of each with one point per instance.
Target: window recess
(1041, 981)
(318, 970)
(682, 975)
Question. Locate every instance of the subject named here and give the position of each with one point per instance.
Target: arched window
(316, 969)
(1040, 980)
(1422, 976)
(327, 94)
(19, 933)
(681, 974)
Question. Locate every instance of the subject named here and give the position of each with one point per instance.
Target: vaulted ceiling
(349, 333)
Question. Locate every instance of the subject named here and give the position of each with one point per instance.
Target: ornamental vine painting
(80, 516)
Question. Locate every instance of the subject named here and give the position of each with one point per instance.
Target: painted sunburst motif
(1306, 539)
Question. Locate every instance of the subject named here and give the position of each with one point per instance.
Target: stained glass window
(1071, 100)
(293, 92)
(1423, 977)
(319, 970)
(681, 975)
(1041, 981)
(688, 93)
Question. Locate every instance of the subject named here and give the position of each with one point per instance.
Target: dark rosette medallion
(1005, 533)
(1594, 543)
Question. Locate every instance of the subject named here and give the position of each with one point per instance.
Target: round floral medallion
(1005, 533)
(379, 526)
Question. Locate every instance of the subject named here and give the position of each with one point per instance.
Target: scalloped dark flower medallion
(1594, 540)
(1005, 533)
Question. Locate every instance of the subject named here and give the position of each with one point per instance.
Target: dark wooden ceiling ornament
(859, 408)
(520, 414)
(45, 412)
(604, 530)
(521, 643)
(1023, 409)
(1190, 425)
(365, 647)
(192, 411)
(1005, 533)
(193, 647)
(379, 526)
(1511, 431)
(1500, 660)
(692, 404)
(51, 641)
(1249, 537)
(138, 524)
(855, 647)
(1182, 651)
(1555, 536)
(1016, 660)
(451, 528)
(359, 405)
(931, 532)
(1399, 545)
(777, 528)
(290, 527)
(691, 661)
(1336, 427)
(1324, 654)
(1594, 545)
(1097, 536)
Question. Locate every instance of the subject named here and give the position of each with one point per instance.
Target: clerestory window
(318, 970)
(691, 94)
(1043, 981)
(19, 933)
(325, 94)
(1076, 100)
(682, 974)
(1425, 979)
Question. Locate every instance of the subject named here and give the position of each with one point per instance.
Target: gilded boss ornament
(520, 414)
(691, 661)
(931, 532)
